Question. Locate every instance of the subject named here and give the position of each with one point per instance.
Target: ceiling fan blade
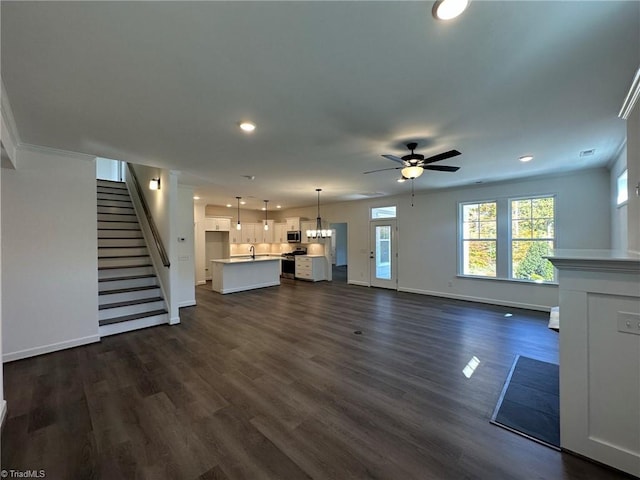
(441, 156)
(394, 158)
(383, 169)
(441, 168)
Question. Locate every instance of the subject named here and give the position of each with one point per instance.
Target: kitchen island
(229, 275)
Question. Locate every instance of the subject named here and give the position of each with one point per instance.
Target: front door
(383, 254)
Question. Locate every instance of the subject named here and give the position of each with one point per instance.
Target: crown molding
(28, 147)
(632, 97)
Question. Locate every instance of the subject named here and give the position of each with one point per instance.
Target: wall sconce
(154, 184)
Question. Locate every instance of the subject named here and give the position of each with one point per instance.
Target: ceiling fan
(414, 164)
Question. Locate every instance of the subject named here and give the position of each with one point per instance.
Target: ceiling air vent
(587, 153)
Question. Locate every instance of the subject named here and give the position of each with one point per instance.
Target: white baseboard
(174, 320)
(54, 347)
(187, 303)
(468, 298)
(360, 284)
(201, 282)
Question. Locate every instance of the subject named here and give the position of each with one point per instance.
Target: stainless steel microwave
(294, 236)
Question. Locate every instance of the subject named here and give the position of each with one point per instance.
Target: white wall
(200, 244)
(427, 238)
(633, 164)
(3, 403)
(185, 266)
(49, 259)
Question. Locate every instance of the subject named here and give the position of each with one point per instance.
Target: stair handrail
(152, 225)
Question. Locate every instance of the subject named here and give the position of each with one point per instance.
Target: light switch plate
(629, 322)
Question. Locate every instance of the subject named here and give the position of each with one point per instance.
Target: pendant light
(266, 225)
(319, 232)
(238, 226)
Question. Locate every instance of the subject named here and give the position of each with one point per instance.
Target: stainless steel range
(289, 262)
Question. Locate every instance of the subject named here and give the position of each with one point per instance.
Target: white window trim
(503, 238)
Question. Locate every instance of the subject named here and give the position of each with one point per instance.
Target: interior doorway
(339, 259)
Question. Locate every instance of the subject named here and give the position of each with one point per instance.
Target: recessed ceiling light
(247, 126)
(243, 202)
(526, 158)
(278, 206)
(196, 198)
(448, 9)
(228, 205)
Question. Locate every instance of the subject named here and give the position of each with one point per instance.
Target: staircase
(129, 295)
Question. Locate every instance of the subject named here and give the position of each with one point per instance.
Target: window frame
(622, 203)
(554, 240)
(503, 237)
(462, 239)
(395, 215)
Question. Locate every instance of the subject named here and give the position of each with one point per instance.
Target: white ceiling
(331, 86)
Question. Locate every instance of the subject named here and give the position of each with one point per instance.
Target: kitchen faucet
(252, 249)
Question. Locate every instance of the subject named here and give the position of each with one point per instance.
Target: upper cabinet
(293, 223)
(217, 224)
(262, 235)
(280, 233)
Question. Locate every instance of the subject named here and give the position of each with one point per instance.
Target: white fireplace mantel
(599, 294)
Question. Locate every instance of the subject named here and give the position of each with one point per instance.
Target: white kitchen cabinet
(248, 234)
(217, 224)
(266, 236)
(235, 235)
(279, 233)
(293, 223)
(311, 268)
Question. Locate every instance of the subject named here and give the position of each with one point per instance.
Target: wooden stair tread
(129, 277)
(106, 257)
(128, 303)
(128, 318)
(125, 266)
(128, 290)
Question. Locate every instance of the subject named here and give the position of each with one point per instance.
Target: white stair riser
(111, 217)
(126, 296)
(119, 210)
(119, 233)
(123, 272)
(122, 202)
(121, 252)
(111, 196)
(123, 261)
(130, 310)
(115, 328)
(129, 283)
(121, 242)
(119, 225)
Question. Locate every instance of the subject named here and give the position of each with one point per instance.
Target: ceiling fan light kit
(411, 172)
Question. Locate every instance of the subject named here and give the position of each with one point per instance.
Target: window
(479, 239)
(383, 212)
(508, 238)
(532, 237)
(623, 192)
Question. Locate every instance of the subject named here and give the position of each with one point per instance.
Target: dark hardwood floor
(274, 384)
